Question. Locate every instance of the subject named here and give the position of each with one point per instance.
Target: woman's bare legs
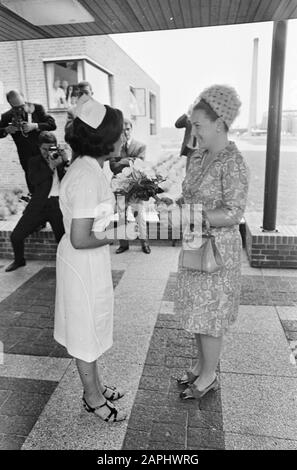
(93, 389)
(211, 350)
(89, 377)
(196, 369)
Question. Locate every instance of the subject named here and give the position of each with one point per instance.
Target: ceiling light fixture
(49, 12)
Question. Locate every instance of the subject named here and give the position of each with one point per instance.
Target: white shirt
(58, 98)
(55, 189)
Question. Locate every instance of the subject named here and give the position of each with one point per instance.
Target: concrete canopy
(123, 16)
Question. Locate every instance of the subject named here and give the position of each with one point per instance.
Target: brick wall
(42, 245)
(271, 250)
(102, 50)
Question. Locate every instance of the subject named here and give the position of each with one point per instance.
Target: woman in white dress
(84, 291)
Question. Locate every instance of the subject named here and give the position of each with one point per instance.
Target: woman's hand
(180, 201)
(166, 200)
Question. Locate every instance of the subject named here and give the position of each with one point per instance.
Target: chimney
(254, 84)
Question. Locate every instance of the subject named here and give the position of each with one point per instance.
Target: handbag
(206, 258)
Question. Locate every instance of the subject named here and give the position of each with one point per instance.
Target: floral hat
(224, 100)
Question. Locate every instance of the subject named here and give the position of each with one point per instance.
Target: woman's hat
(90, 111)
(224, 100)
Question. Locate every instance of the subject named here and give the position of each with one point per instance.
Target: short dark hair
(46, 137)
(84, 140)
(202, 105)
(84, 84)
(128, 121)
(13, 94)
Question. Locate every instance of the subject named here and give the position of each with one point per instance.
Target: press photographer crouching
(45, 172)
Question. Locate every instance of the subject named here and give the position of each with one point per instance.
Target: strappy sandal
(115, 393)
(187, 378)
(192, 392)
(114, 415)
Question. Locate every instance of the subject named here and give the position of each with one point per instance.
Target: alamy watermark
(175, 222)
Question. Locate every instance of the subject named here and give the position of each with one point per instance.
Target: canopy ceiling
(125, 16)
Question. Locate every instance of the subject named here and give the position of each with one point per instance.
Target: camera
(55, 151)
(18, 123)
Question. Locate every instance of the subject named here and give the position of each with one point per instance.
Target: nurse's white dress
(84, 290)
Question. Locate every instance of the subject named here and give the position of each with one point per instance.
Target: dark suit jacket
(41, 177)
(28, 146)
(135, 150)
(184, 121)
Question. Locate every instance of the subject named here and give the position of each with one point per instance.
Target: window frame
(83, 59)
(131, 88)
(152, 122)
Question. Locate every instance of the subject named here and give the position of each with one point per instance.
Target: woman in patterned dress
(217, 178)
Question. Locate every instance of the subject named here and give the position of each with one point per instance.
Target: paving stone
(161, 371)
(141, 418)
(169, 415)
(289, 325)
(136, 440)
(167, 308)
(205, 419)
(182, 350)
(154, 383)
(234, 441)
(150, 398)
(21, 425)
(38, 309)
(27, 385)
(204, 438)
(24, 403)
(291, 335)
(4, 394)
(168, 324)
(31, 349)
(174, 401)
(211, 402)
(169, 432)
(155, 357)
(59, 351)
(152, 445)
(259, 405)
(169, 317)
(180, 362)
(11, 442)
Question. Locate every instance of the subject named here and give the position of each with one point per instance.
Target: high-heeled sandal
(187, 378)
(192, 392)
(115, 393)
(114, 415)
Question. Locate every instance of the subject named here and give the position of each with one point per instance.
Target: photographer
(24, 122)
(45, 170)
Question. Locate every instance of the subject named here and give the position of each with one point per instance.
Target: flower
(138, 182)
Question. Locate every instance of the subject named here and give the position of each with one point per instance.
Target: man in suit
(189, 144)
(45, 170)
(24, 122)
(131, 150)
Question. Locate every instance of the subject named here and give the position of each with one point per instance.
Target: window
(153, 114)
(62, 77)
(137, 102)
(100, 81)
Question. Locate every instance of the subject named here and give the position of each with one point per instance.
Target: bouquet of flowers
(138, 182)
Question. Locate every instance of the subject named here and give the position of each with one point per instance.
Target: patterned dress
(208, 303)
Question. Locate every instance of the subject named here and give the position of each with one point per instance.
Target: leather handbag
(206, 258)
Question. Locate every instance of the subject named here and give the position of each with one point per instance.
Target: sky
(184, 62)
